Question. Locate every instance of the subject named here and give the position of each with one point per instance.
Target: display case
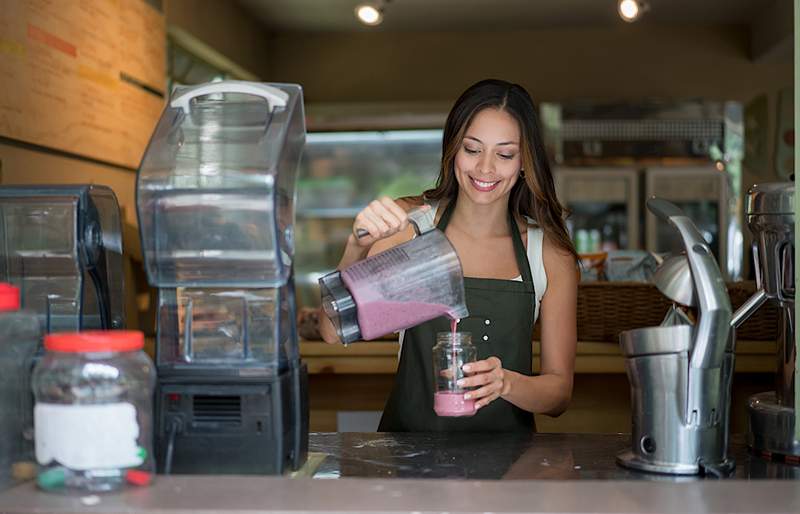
(340, 173)
(603, 202)
(703, 194)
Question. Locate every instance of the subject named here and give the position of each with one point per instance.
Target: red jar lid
(95, 341)
(9, 297)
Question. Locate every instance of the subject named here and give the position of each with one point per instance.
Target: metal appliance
(681, 372)
(62, 246)
(773, 421)
(215, 200)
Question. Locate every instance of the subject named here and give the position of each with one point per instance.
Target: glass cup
(451, 352)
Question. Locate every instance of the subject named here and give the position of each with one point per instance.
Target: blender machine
(773, 422)
(215, 200)
(61, 245)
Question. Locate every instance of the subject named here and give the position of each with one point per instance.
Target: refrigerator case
(62, 246)
(703, 193)
(215, 199)
(602, 199)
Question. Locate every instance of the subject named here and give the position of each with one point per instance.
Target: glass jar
(451, 352)
(93, 416)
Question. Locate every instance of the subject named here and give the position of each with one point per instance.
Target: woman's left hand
(489, 377)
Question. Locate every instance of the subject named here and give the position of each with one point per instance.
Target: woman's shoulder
(558, 262)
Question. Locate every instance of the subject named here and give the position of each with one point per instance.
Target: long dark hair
(535, 196)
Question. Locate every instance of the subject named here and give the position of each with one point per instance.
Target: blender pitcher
(400, 288)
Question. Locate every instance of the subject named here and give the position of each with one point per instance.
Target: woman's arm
(549, 392)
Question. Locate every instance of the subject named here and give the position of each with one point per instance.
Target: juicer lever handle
(663, 209)
(274, 96)
(713, 326)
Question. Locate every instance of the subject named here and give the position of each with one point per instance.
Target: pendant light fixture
(371, 13)
(631, 10)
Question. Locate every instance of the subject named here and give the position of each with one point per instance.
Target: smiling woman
(495, 201)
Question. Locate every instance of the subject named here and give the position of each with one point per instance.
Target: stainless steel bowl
(674, 279)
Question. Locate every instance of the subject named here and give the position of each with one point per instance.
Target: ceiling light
(369, 14)
(631, 10)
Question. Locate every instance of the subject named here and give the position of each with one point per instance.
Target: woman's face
(488, 162)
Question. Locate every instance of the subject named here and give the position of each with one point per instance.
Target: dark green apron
(501, 324)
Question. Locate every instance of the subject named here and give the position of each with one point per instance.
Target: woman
(496, 203)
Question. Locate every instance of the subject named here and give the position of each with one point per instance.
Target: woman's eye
(471, 151)
(506, 156)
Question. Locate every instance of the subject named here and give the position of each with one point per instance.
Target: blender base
(771, 426)
(232, 427)
(628, 459)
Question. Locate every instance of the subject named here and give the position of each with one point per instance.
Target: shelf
(328, 213)
(592, 357)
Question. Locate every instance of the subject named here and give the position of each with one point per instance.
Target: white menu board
(82, 76)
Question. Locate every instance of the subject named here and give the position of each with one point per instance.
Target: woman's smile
(483, 186)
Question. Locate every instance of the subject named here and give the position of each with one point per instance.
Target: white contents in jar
(85, 437)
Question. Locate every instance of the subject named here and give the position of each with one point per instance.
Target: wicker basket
(607, 308)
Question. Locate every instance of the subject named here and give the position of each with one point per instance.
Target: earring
(521, 172)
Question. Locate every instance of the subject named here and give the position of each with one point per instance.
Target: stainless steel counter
(467, 468)
(503, 456)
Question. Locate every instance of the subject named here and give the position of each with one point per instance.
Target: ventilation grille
(217, 409)
(642, 130)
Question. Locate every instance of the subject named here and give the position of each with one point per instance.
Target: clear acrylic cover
(247, 332)
(62, 246)
(216, 187)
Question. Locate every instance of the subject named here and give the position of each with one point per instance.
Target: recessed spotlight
(369, 14)
(631, 10)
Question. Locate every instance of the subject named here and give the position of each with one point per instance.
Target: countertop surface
(395, 473)
(489, 456)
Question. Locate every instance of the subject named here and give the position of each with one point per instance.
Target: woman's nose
(486, 163)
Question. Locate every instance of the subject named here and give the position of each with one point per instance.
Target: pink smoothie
(452, 404)
(378, 318)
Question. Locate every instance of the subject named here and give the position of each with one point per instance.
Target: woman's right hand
(380, 219)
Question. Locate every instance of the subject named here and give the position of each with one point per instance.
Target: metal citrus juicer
(401, 287)
(773, 422)
(681, 372)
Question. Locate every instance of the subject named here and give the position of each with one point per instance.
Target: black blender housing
(215, 200)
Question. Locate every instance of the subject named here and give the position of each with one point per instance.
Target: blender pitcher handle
(422, 220)
(274, 96)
